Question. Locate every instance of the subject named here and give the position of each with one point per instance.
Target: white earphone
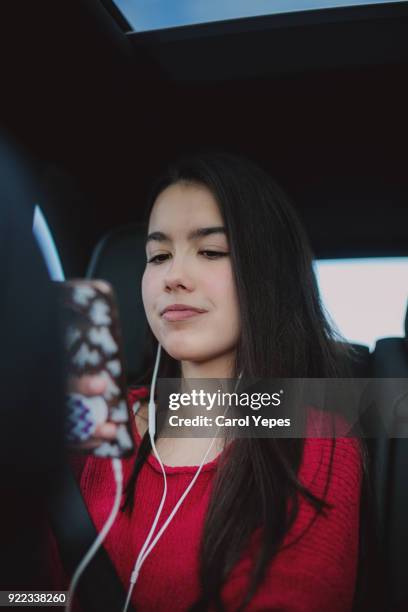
(148, 545)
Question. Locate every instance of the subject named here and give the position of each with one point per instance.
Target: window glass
(47, 245)
(157, 14)
(366, 298)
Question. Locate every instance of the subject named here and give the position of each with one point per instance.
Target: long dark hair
(284, 334)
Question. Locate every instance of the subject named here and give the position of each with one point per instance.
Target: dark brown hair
(284, 334)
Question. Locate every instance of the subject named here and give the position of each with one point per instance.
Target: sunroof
(159, 14)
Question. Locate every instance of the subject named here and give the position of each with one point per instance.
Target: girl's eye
(158, 259)
(208, 254)
(213, 254)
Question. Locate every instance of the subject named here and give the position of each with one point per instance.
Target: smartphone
(93, 346)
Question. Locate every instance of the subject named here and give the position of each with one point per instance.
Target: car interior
(318, 98)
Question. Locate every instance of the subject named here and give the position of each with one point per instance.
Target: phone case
(93, 344)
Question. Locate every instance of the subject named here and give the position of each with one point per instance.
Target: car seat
(120, 259)
(390, 360)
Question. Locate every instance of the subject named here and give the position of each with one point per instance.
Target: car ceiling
(319, 99)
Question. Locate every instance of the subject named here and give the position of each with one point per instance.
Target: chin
(185, 355)
(184, 350)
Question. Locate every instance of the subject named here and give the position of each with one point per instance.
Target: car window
(366, 298)
(154, 15)
(47, 245)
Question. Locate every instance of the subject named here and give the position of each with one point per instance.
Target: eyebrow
(197, 233)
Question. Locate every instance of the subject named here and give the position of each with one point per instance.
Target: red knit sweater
(316, 574)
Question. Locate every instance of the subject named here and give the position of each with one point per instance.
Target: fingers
(90, 444)
(103, 433)
(87, 385)
(106, 431)
(91, 386)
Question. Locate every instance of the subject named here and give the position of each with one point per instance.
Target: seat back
(390, 360)
(119, 258)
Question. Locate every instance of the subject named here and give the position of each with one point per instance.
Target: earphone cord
(147, 547)
(118, 474)
(145, 553)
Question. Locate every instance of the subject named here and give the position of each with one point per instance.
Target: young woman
(269, 524)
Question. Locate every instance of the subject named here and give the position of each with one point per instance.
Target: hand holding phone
(97, 419)
(92, 386)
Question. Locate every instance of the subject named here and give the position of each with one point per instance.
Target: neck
(219, 367)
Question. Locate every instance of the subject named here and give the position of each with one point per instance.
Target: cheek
(222, 288)
(148, 292)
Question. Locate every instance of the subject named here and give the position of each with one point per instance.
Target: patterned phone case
(94, 347)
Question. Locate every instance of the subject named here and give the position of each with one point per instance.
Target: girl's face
(188, 288)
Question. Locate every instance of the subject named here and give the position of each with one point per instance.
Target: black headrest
(119, 258)
(391, 356)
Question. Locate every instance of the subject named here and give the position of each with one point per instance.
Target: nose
(177, 276)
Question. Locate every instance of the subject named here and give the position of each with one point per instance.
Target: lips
(181, 312)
